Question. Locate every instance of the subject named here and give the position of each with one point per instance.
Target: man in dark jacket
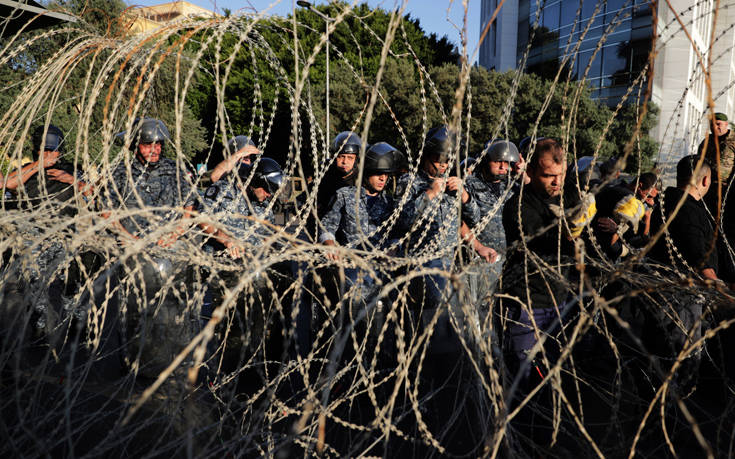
(536, 245)
(689, 246)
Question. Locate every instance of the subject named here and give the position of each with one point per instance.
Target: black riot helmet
(146, 130)
(266, 174)
(346, 142)
(400, 162)
(501, 150)
(52, 141)
(238, 142)
(379, 159)
(497, 150)
(439, 143)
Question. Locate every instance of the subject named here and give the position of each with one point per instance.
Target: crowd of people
(535, 229)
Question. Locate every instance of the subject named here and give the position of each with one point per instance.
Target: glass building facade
(622, 28)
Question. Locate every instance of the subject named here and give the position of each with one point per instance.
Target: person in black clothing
(688, 247)
(535, 243)
(619, 213)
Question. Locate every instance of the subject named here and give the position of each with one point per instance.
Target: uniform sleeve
(472, 218)
(414, 205)
(115, 189)
(471, 213)
(185, 188)
(212, 200)
(393, 236)
(332, 219)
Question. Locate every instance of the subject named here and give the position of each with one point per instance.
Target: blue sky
(432, 14)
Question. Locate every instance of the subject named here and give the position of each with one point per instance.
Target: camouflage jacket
(433, 224)
(350, 229)
(231, 208)
(727, 155)
(163, 185)
(490, 201)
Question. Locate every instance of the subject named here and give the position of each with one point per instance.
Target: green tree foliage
(97, 18)
(255, 90)
(491, 93)
(417, 89)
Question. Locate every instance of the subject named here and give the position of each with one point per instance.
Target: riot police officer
(158, 186)
(341, 173)
(233, 201)
(240, 150)
(340, 224)
(431, 217)
(357, 219)
(490, 189)
(48, 180)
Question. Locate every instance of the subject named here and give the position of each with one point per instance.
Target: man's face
(261, 194)
(498, 167)
(150, 152)
(721, 127)
(647, 195)
(435, 166)
(548, 176)
(345, 162)
(377, 182)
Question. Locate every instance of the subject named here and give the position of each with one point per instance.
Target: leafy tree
(97, 18)
(255, 90)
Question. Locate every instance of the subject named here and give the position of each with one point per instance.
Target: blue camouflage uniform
(340, 223)
(433, 226)
(232, 207)
(490, 199)
(358, 231)
(433, 223)
(149, 186)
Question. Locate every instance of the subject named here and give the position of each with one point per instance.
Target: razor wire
(107, 348)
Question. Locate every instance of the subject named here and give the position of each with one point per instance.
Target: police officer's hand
(488, 254)
(168, 240)
(60, 176)
(331, 254)
(437, 187)
(234, 250)
(246, 151)
(455, 184)
(50, 158)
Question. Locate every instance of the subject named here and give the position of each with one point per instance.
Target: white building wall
(678, 86)
(498, 51)
(723, 62)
